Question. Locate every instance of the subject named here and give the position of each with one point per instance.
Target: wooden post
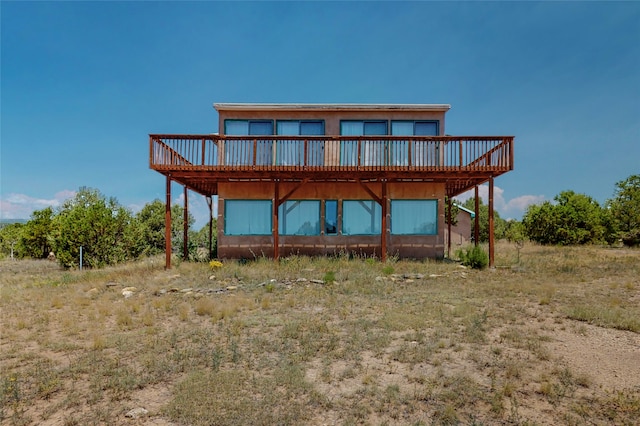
(167, 227)
(476, 219)
(185, 226)
(210, 204)
(491, 238)
(383, 236)
(449, 227)
(276, 202)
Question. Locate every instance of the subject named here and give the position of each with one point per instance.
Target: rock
(92, 293)
(212, 277)
(131, 289)
(186, 290)
(111, 284)
(232, 287)
(301, 280)
(136, 412)
(380, 278)
(317, 281)
(127, 294)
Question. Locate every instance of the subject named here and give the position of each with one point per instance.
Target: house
(461, 227)
(371, 179)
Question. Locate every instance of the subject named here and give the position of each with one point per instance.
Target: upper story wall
(332, 114)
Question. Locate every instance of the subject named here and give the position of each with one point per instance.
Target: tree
(149, 228)
(625, 210)
(573, 219)
(9, 237)
(36, 239)
(97, 224)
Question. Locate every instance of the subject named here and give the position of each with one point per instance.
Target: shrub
(474, 257)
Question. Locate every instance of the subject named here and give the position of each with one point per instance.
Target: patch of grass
(606, 316)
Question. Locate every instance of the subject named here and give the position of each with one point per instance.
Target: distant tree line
(107, 232)
(572, 218)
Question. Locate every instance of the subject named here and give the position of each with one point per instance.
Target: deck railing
(331, 153)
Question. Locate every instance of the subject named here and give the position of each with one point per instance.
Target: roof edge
(331, 106)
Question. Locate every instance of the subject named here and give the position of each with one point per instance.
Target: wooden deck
(200, 162)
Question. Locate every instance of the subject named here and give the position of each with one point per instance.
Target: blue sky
(84, 83)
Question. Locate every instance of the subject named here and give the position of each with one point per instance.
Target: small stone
(380, 278)
(131, 289)
(93, 292)
(212, 277)
(174, 290)
(301, 280)
(317, 281)
(111, 284)
(186, 290)
(231, 287)
(127, 294)
(136, 412)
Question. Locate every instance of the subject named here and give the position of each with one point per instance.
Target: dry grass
(374, 344)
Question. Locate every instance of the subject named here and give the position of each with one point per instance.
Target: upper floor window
(371, 152)
(240, 152)
(414, 128)
(423, 153)
(248, 127)
(291, 153)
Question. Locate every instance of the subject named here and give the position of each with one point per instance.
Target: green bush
(474, 257)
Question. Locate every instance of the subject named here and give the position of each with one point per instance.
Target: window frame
(395, 202)
(282, 212)
(344, 218)
(227, 216)
(351, 146)
(314, 158)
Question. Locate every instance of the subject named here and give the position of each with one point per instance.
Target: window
(361, 217)
(291, 153)
(414, 217)
(247, 217)
(299, 218)
(424, 153)
(240, 152)
(331, 217)
(371, 152)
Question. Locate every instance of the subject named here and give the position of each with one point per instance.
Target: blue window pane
(299, 218)
(361, 217)
(331, 217)
(247, 217)
(375, 128)
(402, 128)
(311, 128)
(414, 217)
(260, 128)
(236, 127)
(426, 128)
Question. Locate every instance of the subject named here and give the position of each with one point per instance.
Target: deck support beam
(491, 237)
(448, 227)
(383, 237)
(185, 226)
(276, 205)
(476, 219)
(167, 226)
(210, 204)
